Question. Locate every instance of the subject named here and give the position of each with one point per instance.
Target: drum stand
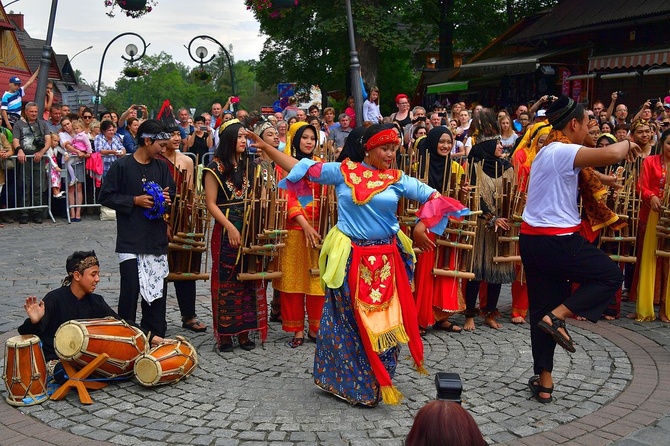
(77, 380)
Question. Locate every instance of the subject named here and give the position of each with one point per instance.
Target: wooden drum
(25, 371)
(81, 341)
(166, 364)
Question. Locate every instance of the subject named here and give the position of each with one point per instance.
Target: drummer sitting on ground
(73, 300)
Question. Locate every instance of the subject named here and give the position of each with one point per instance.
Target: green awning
(447, 87)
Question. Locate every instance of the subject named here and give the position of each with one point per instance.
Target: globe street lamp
(201, 53)
(131, 51)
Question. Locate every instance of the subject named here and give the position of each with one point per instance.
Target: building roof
(576, 16)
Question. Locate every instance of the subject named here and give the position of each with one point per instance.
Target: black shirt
(60, 306)
(135, 233)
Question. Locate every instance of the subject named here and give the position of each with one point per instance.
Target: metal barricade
(26, 185)
(207, 158)
(85, 196)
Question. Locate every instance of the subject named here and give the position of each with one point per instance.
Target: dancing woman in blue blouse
(366, 266)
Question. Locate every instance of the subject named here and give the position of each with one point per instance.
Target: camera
(39, 142)
(234, 99)
(419, 119)
(203, 128)
(442, 114)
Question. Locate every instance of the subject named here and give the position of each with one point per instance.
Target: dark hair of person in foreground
(444, 423)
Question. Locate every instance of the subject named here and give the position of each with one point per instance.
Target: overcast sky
(169, 27)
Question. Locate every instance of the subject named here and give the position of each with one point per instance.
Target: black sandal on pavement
(311, 337)
(195, 325)
(275, 317)
(247, 345)
(226, 347)
(536, 389)
(449, 328)
(296, 342)
(552, 330)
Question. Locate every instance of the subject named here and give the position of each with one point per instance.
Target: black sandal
(275, 317)
(195, 325)
(296, 342)
(449, 328)
(552, 330)
(247, 345)
(226, 347)
(536, 389)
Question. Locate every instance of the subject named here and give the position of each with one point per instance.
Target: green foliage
(309, 43)
(164, 78)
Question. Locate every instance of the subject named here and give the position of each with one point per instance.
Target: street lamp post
(79, 52)
(355, 68)
(131, 50)
(45, 61)
(201, 52)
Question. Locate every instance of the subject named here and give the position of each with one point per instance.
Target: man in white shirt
(553, 252)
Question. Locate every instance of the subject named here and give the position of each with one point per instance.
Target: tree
(308, 43)
(162, 78)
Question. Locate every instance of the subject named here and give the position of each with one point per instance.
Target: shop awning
(630, 60)
(506, 65)
(447, 87)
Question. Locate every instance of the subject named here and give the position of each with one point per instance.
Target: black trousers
(153, 315)
(185, 291)
(552, 263)
(471, 293)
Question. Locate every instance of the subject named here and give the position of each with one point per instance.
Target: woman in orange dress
(298, 287)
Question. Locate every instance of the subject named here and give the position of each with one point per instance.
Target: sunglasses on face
(665, 124)
(87, 117)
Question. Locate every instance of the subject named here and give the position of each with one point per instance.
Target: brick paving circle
(267, 396)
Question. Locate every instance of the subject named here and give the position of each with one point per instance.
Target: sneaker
(37, 219)
(23, 220)
(72, 183)
(61, 194)
(6, 219)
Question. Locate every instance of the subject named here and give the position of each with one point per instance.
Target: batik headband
(637, 124)
(156, 136)
(80, 267)
(388, 136)
(489, 138)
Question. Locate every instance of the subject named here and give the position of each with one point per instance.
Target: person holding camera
(134, 111)
(31, 137)
(200, 140)
(620, 116)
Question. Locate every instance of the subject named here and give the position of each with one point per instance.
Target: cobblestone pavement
(614, 390)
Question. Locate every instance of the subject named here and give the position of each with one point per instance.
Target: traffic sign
(285, 90)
